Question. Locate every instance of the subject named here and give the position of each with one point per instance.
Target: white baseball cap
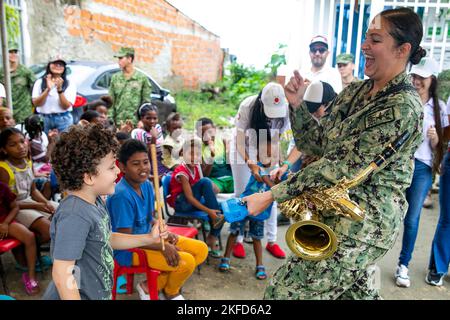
(319, 39)
(318, 93)
(274, 100)
(427, 67)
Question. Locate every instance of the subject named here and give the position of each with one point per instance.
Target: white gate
(344, 23)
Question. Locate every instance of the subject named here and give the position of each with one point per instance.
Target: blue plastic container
(235, 209)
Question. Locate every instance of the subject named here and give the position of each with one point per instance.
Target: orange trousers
(192, 253)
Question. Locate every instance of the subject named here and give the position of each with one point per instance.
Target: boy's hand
(158, 232)
(172, 238)
(171, 255)
(213, 212)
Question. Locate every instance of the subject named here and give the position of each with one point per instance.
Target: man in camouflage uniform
(128, 89)
(347, 140)
(346, 67)
(22, 80)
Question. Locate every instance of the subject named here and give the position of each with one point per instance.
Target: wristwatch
(59, 92)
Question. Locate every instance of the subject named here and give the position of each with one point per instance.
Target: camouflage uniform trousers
(350, 274)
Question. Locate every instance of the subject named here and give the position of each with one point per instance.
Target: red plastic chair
(188, 232)
(5, 246)
(152, 275)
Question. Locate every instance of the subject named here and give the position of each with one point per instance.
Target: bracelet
(59, 92)
(288, 164)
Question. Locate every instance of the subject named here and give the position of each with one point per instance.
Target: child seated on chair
(268, 161)
(173, 142)
(150, 133)
(8, 228)
(131, 208)
(214, 157)
(188, 188)
(82, 242)
(16, 171)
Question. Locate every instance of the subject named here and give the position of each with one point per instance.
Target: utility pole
(5, 55)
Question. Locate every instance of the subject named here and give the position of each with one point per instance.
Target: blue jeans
(61, 121)
(440, 249)
(256, 230)
(202, 191)
(415, 195)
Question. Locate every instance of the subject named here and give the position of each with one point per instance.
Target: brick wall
(168, 44)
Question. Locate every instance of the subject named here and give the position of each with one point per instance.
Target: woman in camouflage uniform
(365, 117)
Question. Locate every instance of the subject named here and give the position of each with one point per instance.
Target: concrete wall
(174, 49)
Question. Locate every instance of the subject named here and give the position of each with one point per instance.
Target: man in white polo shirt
(318, 52)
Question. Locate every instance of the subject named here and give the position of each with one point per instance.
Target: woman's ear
(404, 50)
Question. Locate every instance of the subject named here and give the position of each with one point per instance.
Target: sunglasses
(59, 64)
(13, 51)
(322, 50)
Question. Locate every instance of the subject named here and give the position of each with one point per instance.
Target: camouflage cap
(12, 45)
(124, 51)
(57, 57)
(345, 58)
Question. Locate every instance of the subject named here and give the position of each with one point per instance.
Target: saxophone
(311, 239)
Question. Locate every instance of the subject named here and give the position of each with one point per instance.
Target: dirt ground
(240, 282)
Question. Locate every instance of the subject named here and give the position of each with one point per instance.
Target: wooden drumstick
(156, 185)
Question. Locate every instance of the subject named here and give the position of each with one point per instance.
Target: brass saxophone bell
(310, 239)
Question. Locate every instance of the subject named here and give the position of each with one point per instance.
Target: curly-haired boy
(81, 238)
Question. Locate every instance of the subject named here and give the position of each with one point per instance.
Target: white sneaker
(162, 296)
(401, 276)
(142, 294)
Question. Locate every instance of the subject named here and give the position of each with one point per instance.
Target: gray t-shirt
(81, 231)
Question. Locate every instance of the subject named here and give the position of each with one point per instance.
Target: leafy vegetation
(444, 85)
(220, 101)
(12, 23)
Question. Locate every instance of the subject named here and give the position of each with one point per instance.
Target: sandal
(224, 265)
(261, 273)
(31, 286)
(215, 253)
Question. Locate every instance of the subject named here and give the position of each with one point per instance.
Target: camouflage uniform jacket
(128, 95)
(356, 130)
(22, 80)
